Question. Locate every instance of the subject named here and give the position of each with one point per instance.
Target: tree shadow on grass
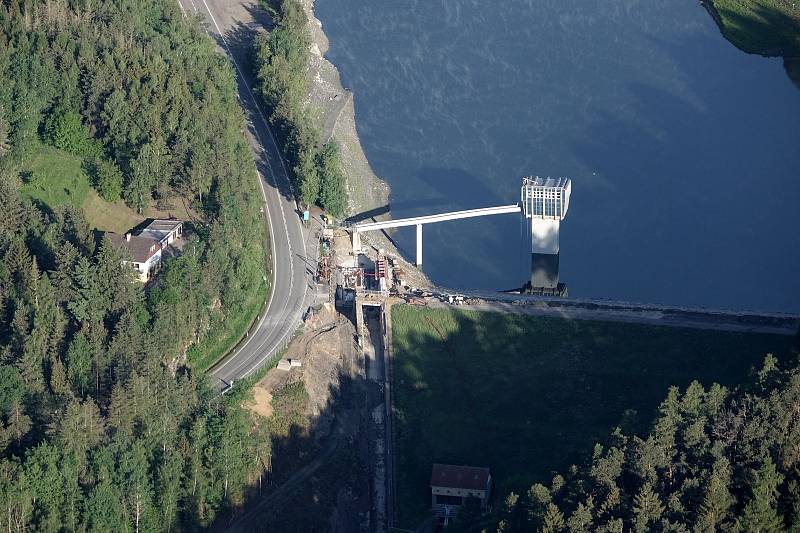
(524, 396)
(528, 397)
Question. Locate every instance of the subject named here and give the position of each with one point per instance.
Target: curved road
(233, 26)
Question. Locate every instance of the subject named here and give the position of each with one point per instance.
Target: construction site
(340, 358)
(342, 355)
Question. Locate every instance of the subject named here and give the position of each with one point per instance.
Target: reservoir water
(684, 152)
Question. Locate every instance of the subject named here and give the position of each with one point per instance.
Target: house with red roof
(451, 485)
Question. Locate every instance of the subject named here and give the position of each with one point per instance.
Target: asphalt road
(233, 25)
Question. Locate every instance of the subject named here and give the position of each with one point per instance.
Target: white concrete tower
(544, 202)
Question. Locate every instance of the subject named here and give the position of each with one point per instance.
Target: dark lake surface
(684, 152)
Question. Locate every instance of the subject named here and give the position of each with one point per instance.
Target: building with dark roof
(145, 250)
(142, 253)
(451, 485)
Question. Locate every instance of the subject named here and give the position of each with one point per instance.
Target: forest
(715, 460)
(765, 27)
(282, 61)
(103, 426)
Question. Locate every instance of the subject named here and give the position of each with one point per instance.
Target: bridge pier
(419, 245)
(357, 229)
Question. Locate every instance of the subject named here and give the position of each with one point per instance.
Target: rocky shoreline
(336, 120)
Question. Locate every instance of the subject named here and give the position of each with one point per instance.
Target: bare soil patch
(261, 404)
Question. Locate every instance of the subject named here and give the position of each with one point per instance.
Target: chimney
(128, 237)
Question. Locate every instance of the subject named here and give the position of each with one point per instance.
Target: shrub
(64, 130)
(332, 194)
(106, 179)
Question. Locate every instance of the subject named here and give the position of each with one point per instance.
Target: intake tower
(544, 203)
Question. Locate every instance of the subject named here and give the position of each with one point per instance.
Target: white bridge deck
(441, 217)
(428, 219)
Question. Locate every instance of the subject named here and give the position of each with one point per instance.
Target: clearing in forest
(54, 178)
(527, 396)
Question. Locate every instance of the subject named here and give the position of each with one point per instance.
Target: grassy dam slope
(527, 396)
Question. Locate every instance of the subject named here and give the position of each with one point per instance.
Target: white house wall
(145, 268)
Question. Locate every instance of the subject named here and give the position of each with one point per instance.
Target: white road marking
(274, 275)
(280, 204)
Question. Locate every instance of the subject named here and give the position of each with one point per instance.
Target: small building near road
(144, 253)
(165, 231)
(451, 485)
(149, 247)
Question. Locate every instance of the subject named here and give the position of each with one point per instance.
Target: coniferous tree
(580, 521)
(108, 179)
(4, 146)
(647, 508)
(553, 521)
(760, 514)
(717, 500)
(64, 129)
(19, 423)
(693, 471)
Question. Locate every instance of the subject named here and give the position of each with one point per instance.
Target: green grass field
(527, 396)
(55, 178)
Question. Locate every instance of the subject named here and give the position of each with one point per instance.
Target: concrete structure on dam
(544, 203)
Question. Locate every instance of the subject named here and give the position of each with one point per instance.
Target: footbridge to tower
(360, 228)
(543, 204)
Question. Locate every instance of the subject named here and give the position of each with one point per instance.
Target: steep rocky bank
(335, 110)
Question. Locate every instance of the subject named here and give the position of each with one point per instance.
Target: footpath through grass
(526, 395)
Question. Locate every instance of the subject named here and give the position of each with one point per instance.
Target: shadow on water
(457, 187)
(575, 68)
(475, 238)
(677, 229)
